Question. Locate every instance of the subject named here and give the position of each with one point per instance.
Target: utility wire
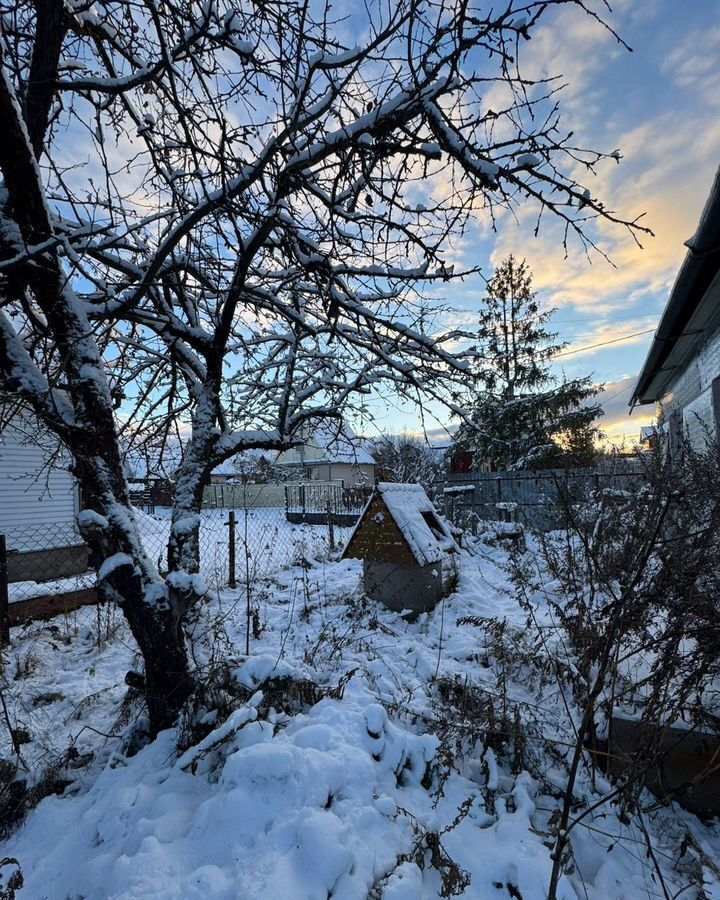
(616, 340)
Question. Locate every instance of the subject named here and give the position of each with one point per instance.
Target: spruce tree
(520, 416)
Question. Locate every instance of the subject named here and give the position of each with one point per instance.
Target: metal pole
(4, 608)
(331, 528)
(231, 549)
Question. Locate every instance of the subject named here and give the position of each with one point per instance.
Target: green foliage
(520, 416)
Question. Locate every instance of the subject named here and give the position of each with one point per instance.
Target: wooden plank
(48, 564)
(378, 537)
(50, 605)
(687, 769)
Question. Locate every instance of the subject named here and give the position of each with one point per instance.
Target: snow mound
(288, 814)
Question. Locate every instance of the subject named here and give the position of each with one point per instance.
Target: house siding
(32, 495)
(349, 474)
(691, 394)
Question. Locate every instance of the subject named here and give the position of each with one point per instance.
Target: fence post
(331, 527)
(4, 610)
(231, 549)
(302, 501)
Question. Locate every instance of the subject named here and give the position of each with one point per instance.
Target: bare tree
(219, 218)
(405, 457)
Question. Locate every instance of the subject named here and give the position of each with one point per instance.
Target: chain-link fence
(537, 499)
(44, 570)
(47, 569)
(243, 543)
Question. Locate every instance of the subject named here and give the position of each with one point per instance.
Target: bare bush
(633, 594)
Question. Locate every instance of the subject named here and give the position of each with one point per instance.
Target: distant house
(406, 548)
(682, 370)
(253, 465)
(461, 462)
(151, 474)
(330, 451)
(649, 437)
(39, 497)
(464, 462)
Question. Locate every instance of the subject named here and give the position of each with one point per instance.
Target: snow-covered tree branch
(218, 218)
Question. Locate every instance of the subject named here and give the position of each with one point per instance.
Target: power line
(553, 322)
(617, 340)
(623, 390)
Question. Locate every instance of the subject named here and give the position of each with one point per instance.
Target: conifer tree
(521, 417)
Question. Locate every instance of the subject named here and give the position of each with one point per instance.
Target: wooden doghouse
(407, 550)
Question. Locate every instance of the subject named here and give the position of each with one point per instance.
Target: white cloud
(694, 62)
(618, 423)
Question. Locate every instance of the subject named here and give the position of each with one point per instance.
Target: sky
(659, 105)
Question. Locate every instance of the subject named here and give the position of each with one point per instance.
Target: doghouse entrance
(434, 524)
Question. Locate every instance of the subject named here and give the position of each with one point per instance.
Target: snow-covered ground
(384, 759)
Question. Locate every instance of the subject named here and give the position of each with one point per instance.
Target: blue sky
(660, 106)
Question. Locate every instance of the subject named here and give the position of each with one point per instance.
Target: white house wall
(691, 394)
(348, 474)
(33, 496)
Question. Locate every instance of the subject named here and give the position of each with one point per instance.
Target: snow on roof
(338, 443)
(148, 462)
(246, 461)
(427, 535)
(330, 441)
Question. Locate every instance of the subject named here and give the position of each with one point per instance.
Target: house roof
(245, 462)
(330, 441)
(692, 311)
(152, 462)
(426, 534)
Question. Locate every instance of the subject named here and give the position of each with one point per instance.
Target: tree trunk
(168, 680)
(153, 608)
(82, 417)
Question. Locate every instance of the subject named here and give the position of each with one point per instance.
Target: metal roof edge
(696, 273)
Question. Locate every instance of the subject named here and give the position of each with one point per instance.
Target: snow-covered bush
(633, 585)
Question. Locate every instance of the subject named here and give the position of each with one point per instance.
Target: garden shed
(407, 549)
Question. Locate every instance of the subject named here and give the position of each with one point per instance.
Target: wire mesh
(46, 559)
(51, 560)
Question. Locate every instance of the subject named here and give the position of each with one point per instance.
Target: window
(434, 524)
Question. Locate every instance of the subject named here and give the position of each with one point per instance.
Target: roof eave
(698, 272)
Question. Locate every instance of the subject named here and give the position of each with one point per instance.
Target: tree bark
(84, 422)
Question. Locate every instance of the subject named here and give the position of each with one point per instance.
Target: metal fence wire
(46, 568)
(250, 531)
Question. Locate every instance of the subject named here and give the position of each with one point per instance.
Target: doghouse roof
(424, 533)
